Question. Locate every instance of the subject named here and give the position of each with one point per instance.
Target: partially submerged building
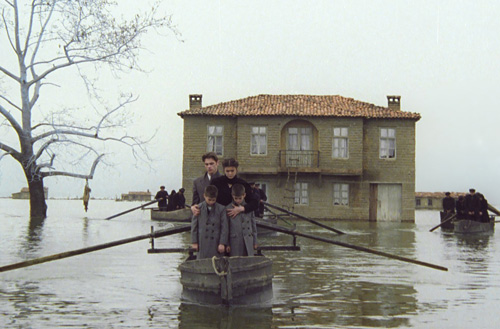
(25, 193)
(327, 156)
(137, 196)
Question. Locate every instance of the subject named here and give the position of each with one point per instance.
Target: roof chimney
(195, 101)
(394, 103)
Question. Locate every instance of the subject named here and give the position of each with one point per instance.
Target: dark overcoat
(209, 229)
(199, 185)
(242, 233)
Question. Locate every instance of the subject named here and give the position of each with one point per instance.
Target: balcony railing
(299, 159)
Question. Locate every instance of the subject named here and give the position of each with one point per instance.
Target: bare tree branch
(12, 120)
(70, 174)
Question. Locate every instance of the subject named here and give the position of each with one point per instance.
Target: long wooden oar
(156, 234)
(304, 218)
(130, 210)
(346, 245)
(443, 222)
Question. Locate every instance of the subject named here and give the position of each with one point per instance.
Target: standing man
(263, 198)
(162, 196)
(179, 199)
(448, 204)
(211, 162)
(472, 205)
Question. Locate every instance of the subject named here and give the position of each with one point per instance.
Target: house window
(215, 139)
(429, 202)
(340, 194)
(340, 143)
(301, 193)
(387, 143)
(418, 202)
(259, 141)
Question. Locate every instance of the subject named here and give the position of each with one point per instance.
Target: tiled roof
(299, 105)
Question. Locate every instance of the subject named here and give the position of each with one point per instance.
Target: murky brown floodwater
(322, 286)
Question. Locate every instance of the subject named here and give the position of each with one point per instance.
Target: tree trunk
(38, 207)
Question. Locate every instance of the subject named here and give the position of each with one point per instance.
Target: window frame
(301, 196)
(258, 144)
(340, 138)
(343, 200)
(384, 151)
(215, 136)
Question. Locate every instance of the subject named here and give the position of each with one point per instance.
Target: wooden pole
(156, 234)
(130, 210)
(304, 218)
(346, 245)
(443, 222)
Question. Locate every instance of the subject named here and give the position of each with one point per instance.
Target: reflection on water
(320, 286)
(201, 317)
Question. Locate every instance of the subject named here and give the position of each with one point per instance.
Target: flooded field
(321, 286)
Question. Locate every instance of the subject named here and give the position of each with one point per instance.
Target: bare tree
(46, 37)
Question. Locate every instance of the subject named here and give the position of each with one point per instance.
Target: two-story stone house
(322, 156)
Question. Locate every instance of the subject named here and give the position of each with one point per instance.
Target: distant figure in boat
(211, 162)
(256, 193)
(179, 199)
(460, 208)
(242, 227)
(162, 197)
(171, 204)
(448, 204)
(209, 230)
(483, 209)
(473, 205)
(263, 197)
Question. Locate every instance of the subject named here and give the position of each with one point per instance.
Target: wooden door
(388, 202)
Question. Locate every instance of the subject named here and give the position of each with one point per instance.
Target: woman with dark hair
(224, 184)
(171, 203)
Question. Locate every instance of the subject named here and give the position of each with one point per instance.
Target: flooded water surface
(320, 286)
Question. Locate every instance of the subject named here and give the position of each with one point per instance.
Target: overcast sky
(442, 57)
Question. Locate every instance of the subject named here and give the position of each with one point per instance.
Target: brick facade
(363, 170)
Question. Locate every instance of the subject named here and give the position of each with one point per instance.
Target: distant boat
(466, 226)
(178, 216)
(444, 217)
(227, 280)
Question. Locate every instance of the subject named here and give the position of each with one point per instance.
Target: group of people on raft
(472, 206)
(224, 209)
(172, 201)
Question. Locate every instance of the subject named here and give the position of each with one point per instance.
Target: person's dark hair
(211, 191)
(162, 187)
(231, 162)
(238, 190)
(210, 155)
(447, 193)
(181, 190)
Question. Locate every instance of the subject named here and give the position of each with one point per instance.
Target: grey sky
(440, 56)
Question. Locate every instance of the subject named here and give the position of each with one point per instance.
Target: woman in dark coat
(171, 203)
(224, 184)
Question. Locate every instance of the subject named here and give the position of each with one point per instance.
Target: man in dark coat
(179, 199)
(460, 207)
(263, 197)
(211, 162)
(483, 209)
(256, 193)
(162, 196)
(448, 204)
(472, 205)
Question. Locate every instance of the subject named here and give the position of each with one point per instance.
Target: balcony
(299, 159)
